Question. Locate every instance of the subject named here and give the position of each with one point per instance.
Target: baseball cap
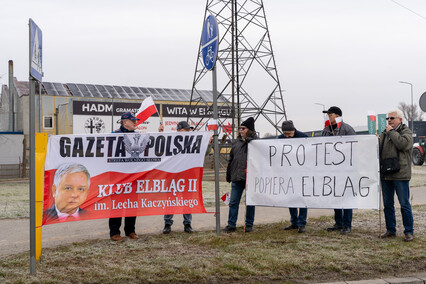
(183, 125)
(128, 115)
(333, 109)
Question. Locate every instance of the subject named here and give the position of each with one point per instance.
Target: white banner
(320, 172)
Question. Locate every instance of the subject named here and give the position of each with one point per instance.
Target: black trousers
(115, 224)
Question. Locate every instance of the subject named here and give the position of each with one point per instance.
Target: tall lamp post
(412, 107)
(323, 108)
(323, 105)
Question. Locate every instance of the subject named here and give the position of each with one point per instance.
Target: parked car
(419, 150)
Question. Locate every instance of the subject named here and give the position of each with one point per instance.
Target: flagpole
(216, 152)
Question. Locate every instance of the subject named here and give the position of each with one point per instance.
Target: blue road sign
(209, 42)
(36, 67)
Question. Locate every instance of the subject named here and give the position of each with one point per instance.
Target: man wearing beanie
(342, 217)
(298, 219)
(236, 173)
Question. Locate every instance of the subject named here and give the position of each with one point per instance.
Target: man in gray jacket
(397, 141)
(342, 217)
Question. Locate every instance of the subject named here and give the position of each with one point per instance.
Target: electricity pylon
(248, 83)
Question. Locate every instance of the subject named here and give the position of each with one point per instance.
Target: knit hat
(249, 123)
(288, 126)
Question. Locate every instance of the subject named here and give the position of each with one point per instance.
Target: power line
(408, 9)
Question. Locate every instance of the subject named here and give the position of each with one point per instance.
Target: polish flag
(146, 109)
(227, 128)
(326, 121)
(225, 198)
(213, 125)
(339, 121)
(372, 115)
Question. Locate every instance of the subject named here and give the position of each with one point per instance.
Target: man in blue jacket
(298, 219)
(128, 125)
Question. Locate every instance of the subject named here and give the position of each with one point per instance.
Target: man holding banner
(128, 125)
(298, 219)
(182, 126)
(236, 173)
(336, 127)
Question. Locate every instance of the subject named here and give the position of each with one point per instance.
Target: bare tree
(409, 112)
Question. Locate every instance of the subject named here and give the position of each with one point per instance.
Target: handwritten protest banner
(123, 174)
(320, 172)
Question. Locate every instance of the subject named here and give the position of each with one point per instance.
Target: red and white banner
(146, 109)
(123, 174)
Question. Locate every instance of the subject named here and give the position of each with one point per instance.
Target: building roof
(112, 91)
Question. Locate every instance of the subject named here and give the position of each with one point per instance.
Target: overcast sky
(349, 53)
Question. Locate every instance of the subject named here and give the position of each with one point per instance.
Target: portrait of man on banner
(69, 190)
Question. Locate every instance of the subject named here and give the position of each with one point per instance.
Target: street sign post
(209, 42)
(36, 55)
(209, 49)
(35, 75)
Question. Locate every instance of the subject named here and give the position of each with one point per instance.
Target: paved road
(15, 233)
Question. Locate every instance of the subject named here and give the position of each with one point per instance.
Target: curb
(421, 279)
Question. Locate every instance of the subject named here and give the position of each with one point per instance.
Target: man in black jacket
(128, 125)
(298, 219)
(236, 173)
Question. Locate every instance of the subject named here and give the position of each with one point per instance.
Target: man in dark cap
(128, 125)
(236, 173)
(298, 219)
(342, 217)
(337, 127)
(182, 126)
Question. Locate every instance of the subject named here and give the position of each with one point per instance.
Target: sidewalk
(418, 279)
(15, 237)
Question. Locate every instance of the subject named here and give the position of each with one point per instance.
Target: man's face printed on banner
(71, 192)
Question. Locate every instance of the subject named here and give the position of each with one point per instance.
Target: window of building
(48, 121)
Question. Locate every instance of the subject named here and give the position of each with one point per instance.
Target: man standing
(182, 126)
(128, 125)
(236, 173)
(342, 217)
(298, 219)
(397, 141)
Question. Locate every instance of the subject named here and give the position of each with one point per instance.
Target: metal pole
(32, 178)
(233, 70)
(216, 153)
(11, 92)
(237, 66)
(32, 165)
(411, 113)
(412, 110)
(112, 115)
